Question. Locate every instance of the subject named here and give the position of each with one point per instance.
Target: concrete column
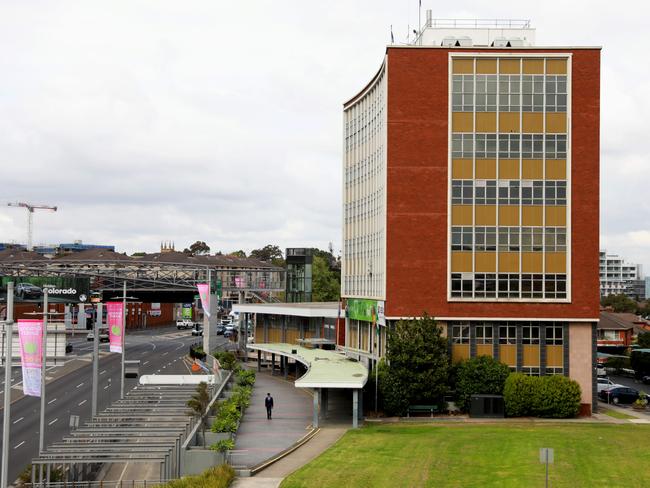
(81, 318)
(316, 405)
(360, 416)
(67, 317)
(259, 360)
(355, 408)
(286, 367)
(272, 364)
(324, 402)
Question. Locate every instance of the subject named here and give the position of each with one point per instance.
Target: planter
(211, 438)
(196, 460)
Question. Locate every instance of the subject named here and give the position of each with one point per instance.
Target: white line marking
(80, 404)
(51, 401)
(1, 392)
(53, 421)
(145, 363)
(164, 353)
(16, 447)
(16, 421)
(79, 385)
(106, 387)
(103, 372)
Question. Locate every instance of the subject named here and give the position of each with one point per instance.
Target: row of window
(365, 207)
(512, 93)
(507, 334)
(508, 239)
(508, 192)
(508, 285)
(509, 146)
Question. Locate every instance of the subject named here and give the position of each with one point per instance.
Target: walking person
(268, 403)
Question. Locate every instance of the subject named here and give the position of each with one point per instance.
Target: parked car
(221, 329)
(229, 332)
(197, 330)
(103, 336)
(184, 324)
(600, 370)
(646, 380)
(619, 394)
(27, 290)
(604, 383)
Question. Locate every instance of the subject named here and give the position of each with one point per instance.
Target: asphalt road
(160, 352)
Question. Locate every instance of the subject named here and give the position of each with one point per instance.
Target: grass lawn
(468, 455)
(616, 414)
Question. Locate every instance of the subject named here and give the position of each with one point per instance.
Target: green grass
(465, 455)
(216, 477)
(616, 414)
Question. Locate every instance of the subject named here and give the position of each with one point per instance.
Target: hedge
(541, 396)
(479, 375)
(216, 477)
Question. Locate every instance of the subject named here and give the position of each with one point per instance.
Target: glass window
(509, 192)
(509, 93)
(508, 285)
(485, 238)
(554, 371)
(485, 285)
(509, 146)
(555, 192)
(461, 285)
(462, 145)
(507, 334)
(485, 192)
(532, 99)
(463, 93)
(461, 192)
(555, 145)
(486, 145)
(530, 371)
(483, 334)
(531, 239)
(556, 94)
(461, 238)
(554, 335)
(508, 239)
(532, 285)
(460, 334)
(532, 192)
(486, 93)
(530, 334)
(532, 146)
(555, 286)
(555, 239)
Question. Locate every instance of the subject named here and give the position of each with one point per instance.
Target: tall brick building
(471, 193)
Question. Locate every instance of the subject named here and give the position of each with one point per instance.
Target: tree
(199, 404)
(238, 254)
(418, 365)
(480, 375)
(198, 248)
(619, 303)
(269, 253)
(326, 284)
(643, 340)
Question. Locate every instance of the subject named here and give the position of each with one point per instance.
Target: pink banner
(239, 282)
(204, 293)
(30, 334)
(114, 312)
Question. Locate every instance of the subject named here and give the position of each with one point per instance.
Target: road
(160, 352)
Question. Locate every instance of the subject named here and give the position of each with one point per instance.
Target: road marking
(106, 387)
(79, 385)
(16, 421)
(165, 353)
(51, 401)
(103, 372)
(53, 421)
(80, 404)
(145, 363)
(16, 447)
(1, 392)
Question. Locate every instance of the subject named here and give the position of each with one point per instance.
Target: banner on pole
(30, 334)
(204, 293)
(114, 311)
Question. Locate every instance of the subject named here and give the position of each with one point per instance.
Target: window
(486, 145)
(460, 334)
(509, 192)
(530, 334)
(508, 239)
(532, 192)
(461, 238)
(554, 371)
(555, 146)
(532, 146)
(485, 192)
(556, 97)
(508, 285)
(483, 334)
(555, 192)
(509, 93)
(532, 285)
(485, 285)
(555, 239)
(507, 334)
(530, 371)
(531, 239)
(485, 238)
(461, 285)
(461, 192)
(486, 93)
(554, 335)
(509, 146)
(462, 145)
(463, 93)
(532, 87)
(555, 286)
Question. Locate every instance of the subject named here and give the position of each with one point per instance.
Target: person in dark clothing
(268, 403)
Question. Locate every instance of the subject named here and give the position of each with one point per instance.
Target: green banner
(187, 311)
(362, 309)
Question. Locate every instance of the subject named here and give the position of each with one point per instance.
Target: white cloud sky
(221, 121)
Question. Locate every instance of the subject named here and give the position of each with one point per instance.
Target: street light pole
(98, 328)
(9, 330)
(41, 439)
(123, 338)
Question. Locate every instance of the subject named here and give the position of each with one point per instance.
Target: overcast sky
(160, 120)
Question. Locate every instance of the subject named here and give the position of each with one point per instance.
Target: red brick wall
(417, 190)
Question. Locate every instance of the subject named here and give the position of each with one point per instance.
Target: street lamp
(9, 323)
(124, 298)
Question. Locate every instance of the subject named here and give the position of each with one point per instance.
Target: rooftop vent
(508, 42)
(460, 41)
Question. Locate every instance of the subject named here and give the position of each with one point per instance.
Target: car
(197, 330)
(600, 370)
(604, 382)
(103, 336)
(68, 348)
(229, 332)
(221, 329)
(27, 290)
(619, 394)
(184, 324)
(646, 380)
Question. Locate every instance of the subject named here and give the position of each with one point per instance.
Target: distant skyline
(221, 121)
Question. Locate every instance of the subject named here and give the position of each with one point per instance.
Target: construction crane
(30, 217)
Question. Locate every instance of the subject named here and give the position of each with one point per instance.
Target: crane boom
(30, 220)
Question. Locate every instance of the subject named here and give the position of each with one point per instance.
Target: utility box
(487, 406)
(131, 368)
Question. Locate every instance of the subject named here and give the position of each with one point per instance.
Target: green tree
(269, 253)
(199, 404)
(619, 303)
(643, 340)
(238, 254)
(326, 285)
(198, 248)
(418, 365)
(480, 375)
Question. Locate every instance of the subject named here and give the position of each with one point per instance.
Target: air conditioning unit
(508, 42)
(461, 41)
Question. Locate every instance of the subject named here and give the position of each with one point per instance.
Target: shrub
(545, 396)
(618, 363)
(517, 394)
(216, 477)
(227, 359)
(223, 445)
(479, 375)
(228, 415)
(196, 352)
(246, 377)
(241, 396)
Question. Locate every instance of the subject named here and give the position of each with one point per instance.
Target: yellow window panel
(508, 354)
(556, 216)
(554, 356)
(484, 349)
(533, 122)
(486, 169)
(508, 262)
(462, 122)
(485, 262)
(556, 262)
(508, 121)
(486, 121)
(556, 169)
(532, 216)
(556, 123)
(533, 66)
(532, 169)
(556, 66)
(463, 66)
(508, 215)
(531, 262)
(486, 214)
(461, 169)
(486, 66)
(461, 215)
(531, 355)
(509, 169)
(509, 66)
(461, 262)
